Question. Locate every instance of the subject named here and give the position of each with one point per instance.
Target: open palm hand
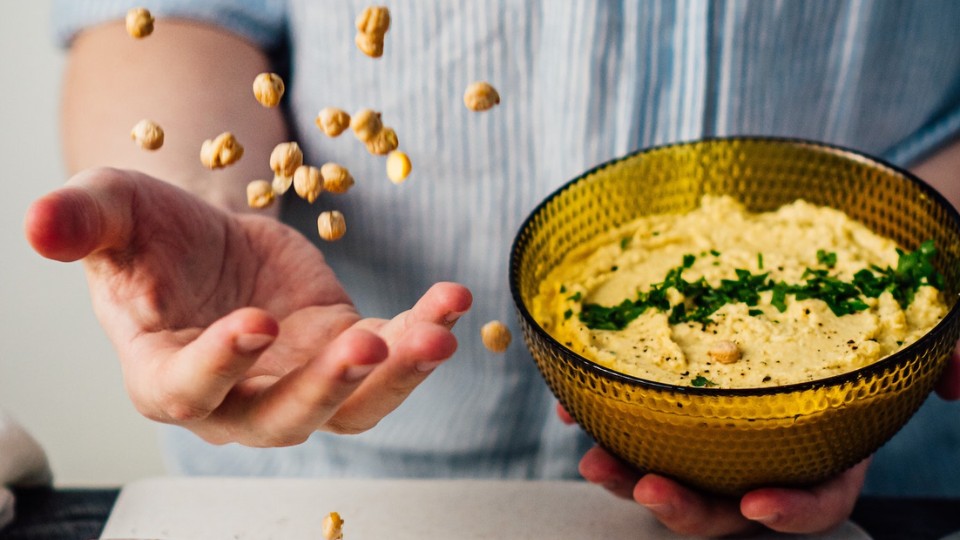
(233, 325)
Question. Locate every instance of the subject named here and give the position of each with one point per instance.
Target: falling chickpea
(147, 134)
(268, 89)
(331, 225)
(260, 194)
(307, 182)
(372, 25)
(285, 158)
(371, 46)
(481, 96)
(366, 124)
(495, 336)
(332, 526)
(333, 121)
(336, 178)
(221, 151)
(139, 22)
(384, 142)
(398, 166)
(374, 20)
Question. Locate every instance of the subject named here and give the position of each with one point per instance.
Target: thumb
(91, 213)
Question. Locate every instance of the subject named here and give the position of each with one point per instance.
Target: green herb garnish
(701, 300)
(576, 297)
(701, 381)
(827, 259)
(759, 261)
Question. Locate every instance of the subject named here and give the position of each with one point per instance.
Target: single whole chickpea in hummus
(724, 297)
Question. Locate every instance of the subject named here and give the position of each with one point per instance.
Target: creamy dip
(766, 332)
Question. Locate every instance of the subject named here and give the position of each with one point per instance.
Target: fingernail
(661, 510)
(355, 373)
(453, 317)
(424, 367)
(251, 343)
(766, 520)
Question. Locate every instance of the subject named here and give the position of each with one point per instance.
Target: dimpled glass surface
(729, 441)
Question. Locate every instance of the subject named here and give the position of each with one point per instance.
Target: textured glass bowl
(731, 440)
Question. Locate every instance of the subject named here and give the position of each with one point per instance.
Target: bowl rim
(870, 370)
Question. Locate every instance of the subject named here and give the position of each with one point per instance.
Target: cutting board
(172, 508)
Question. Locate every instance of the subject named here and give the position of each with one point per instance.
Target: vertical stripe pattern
(581, 82)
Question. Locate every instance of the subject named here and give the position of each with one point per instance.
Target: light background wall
(58, 373)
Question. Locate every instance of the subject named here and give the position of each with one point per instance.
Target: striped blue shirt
(581, 81)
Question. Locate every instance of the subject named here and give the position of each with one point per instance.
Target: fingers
(807, 511)
(564, 415)
(949, 385)
(419, 340)
(305, 399)
(444, 303)
(91, 213)
(193, 380)
(599, 467)
(685, 511)
(411, 359)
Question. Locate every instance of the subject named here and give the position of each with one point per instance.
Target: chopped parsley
(576, 297)
(827, 259)
(759, 261)
(624, 243)
(701, 381)
(701, 299)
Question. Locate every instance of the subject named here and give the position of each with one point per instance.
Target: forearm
(942, 171)
(193, 80)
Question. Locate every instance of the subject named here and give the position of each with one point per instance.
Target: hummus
(722, 297)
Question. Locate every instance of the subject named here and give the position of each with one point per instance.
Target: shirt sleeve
(263, 22)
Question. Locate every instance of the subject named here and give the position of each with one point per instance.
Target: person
(246, 336)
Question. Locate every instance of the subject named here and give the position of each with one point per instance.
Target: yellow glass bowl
(729, 441)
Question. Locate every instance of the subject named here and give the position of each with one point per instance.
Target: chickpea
(281, 184)
(222, 151)
(333, 121)
(331, 225)
(336, 178)
(371, 46)
(495, 336)
(147, 134)
(480, 96)
(398, 166)
(307, 182)
(268, 89)
(373, 20)
(332, 526)
(366, 124)
(139, 22)
(384, 142)
(285, 158)
(260, 194)
(372, 25)
(725, 352)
